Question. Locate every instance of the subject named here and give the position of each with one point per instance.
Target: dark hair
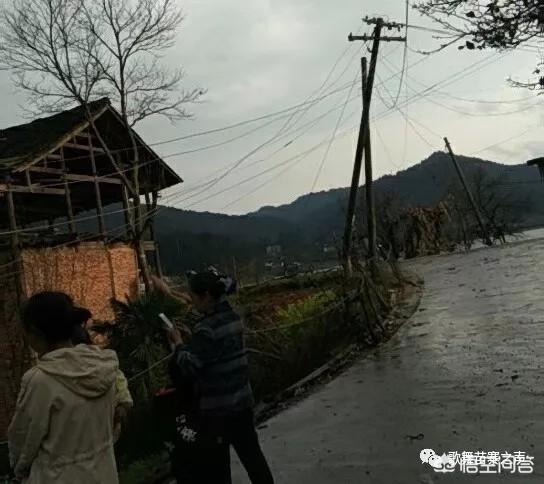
(207, 282)
(53, 314)
(79, 332)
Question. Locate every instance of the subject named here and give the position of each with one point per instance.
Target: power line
(310, 125)
(482, 101)
(404, 57)
(511, 138)
(458, 111)
(385, 147)
(333, 137)
(471, 69)
(283, 163)
(404, 115)
(407, 120)
(329, 75)
(267, 182)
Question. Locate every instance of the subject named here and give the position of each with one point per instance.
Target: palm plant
(138, 337)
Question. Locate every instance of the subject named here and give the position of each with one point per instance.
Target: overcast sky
(262, 56)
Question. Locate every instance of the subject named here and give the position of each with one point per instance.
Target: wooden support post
(14, 235)
(147, 220)
(158, 260)
(149, 215)
(475, 208)
(99, 208)
(15, 245)
(127, 211)
(69, 207)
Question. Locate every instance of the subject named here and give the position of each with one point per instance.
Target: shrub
(303, 338)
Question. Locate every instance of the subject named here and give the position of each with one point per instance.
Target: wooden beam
(46, 170)
(85, 136)
(90, 148)
(52, 156)
(99, 208)
(69, 207)
(88, 178)
(82, 126)
(37, 189)
(74, 176)
(149, 245)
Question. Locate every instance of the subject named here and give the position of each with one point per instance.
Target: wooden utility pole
(364, 146)
(475, 208)
(369, 191)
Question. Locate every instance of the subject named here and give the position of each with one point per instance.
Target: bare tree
(501, 208)
(390, 227)
(132, 35)
(63, 52)
(496, 24)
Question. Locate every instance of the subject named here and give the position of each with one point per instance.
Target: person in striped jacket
(215, 359)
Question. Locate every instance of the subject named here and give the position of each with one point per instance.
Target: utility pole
(369, 189)
(364, 146)
(477, 213)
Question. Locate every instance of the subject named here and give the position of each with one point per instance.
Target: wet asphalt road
(464, 374)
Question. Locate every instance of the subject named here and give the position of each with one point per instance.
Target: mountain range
(192, 239)
(189, 239)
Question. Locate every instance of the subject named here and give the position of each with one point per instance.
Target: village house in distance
(56, 179)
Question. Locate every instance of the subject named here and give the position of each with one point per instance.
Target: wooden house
(59, 178)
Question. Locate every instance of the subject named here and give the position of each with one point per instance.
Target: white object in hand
(166, 321)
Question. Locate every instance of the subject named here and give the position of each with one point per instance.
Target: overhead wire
(283, 163)
(329, 75)
(385, 147)
(463, 73)
(333, 137)
(243, 159)
(404, 56)
(511, 138)
(407, 120)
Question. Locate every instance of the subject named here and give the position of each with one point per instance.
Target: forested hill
(190, 239)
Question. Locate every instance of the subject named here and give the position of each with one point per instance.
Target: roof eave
(151, 151)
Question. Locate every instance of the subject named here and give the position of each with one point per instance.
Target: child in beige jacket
(63, 428)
